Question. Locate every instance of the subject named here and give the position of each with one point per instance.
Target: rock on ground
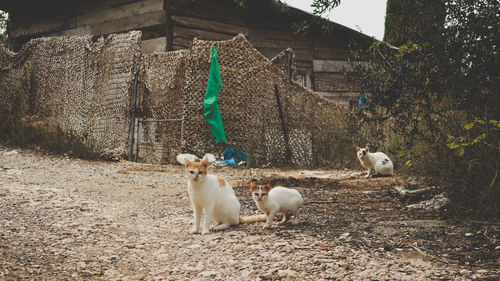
(72, 219)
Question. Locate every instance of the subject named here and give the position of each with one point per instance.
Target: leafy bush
(436, 104)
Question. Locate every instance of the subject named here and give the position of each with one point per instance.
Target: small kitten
(277, 200)
(376, 163)
(215, 196)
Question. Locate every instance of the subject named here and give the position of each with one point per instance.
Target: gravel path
(71, 219)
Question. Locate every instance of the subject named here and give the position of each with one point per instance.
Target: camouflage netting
(85, 88)
(285, 61)
(81, 86)
(265, 115)
(162, 77)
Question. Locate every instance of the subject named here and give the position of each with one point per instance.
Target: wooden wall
(172, 25)
(87, 18)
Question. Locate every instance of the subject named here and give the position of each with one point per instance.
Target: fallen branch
(418, 250)
(403, 191)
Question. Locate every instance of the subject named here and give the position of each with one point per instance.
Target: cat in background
(216, 197)
(377, 163)
(277, 200)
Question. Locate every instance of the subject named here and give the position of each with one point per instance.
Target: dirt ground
(70, 219)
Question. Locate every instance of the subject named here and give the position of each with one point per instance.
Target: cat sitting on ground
(377, 163)
(277, 200)
(216, 197)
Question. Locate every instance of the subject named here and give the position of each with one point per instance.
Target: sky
(366, 16)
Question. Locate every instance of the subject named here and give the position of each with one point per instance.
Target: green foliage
(417, 21)
(439, 96)
(479, 137)
(322, 6)
(319, 6)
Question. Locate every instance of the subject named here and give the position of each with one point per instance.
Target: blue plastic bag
(235, 154)
(229, 162)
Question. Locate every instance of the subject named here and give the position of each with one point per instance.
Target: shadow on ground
(368, 213)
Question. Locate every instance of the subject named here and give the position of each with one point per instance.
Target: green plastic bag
(210, 108)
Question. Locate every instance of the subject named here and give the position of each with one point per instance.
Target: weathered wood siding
(321, 60)
(173, 24)
(88, 18)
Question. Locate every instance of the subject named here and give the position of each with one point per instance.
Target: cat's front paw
(267, 226)
(194, 230)
(205, 231)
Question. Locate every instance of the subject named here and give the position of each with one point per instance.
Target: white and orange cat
(277, 200)
(214, 196)
(377, 163)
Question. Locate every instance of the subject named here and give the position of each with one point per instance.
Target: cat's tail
(254, 218)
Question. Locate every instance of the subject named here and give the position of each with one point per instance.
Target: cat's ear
(357, 148)
(252, 185)
(187, 162)
(268, 186)
(367, 149)
(205, 162)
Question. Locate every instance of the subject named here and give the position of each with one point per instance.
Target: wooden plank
(300, 54)
(40, 13)
(121, 25)
(331, 82)
(210, 10)
(259, 41)
(256, 16)
(335, 40)
(274, 43)
(274, 34)
(153, 45)
(202, 24)
(331, 53)
(154, 31)
(43, 27)
(190, 33)
(335, 65)
(120, 12)
(96, 5)
(304, 73)
(266, 16)
(332, 66)
(181, 42)
(303, 64)
(304, 79)
(80, 31)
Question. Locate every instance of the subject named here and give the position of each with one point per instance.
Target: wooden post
(289, 65)
(169, 29)
(288, 151)
(138, 140)
(313, 73)
(133, 109)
